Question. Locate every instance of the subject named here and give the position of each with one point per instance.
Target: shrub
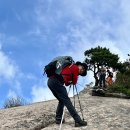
(14, 102)
(128, 92)
(116, 88)
(122, 83)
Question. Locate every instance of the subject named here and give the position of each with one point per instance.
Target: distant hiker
(109, 78)
(102, 77)
(68, 75)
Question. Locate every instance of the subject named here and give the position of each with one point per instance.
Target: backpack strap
(69, 74)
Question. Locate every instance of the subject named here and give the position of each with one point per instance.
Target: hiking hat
(84, 66)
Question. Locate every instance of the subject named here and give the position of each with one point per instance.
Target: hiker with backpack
(63, 71)
(109, 78)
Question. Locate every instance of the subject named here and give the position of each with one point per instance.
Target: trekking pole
(73, 96)
(81, 110)
(64, 111)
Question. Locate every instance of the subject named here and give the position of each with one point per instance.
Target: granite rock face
(101, 113)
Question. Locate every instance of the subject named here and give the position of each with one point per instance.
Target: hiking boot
(59, 121)
(80, 123)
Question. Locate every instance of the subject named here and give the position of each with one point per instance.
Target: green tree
(96, 57)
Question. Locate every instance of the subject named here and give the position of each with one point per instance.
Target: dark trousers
(102, 80)
(60, 92)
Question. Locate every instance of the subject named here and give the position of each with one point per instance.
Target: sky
(33, 32)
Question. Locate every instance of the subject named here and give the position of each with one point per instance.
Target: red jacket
(70, 74)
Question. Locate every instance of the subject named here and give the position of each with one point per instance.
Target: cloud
(10, 74)
(40, 92)
(31, 76)
(8, 69)
(17, 15)
(123, 32)
(100, 26)
(11, 94)
(86, 23)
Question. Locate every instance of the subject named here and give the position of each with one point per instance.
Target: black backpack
(57, 65)
(110, 74)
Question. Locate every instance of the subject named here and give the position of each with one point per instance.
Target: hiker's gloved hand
(69, 83)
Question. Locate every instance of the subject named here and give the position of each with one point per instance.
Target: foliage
(119, 89)
(14, 102)
(101, 56)
(97, 57)
(123, 77)
(122, 84)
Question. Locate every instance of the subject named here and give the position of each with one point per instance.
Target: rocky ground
(101, 113)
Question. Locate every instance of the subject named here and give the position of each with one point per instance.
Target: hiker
(102, 77)
(69, 75)
(109, 78)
